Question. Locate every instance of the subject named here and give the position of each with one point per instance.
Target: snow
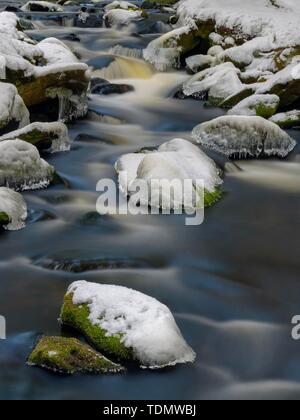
(13, 204)
(288, 118)
(121, 17)
(250, 105)
(60, 144)
(12, 107)
(219, 82)
(177, 160)
(19, 53)
(21, 167)
(199, 62)
(164, 52)
(245, 136)
(146, 325)
(45, 4)
(125, 5)
(278, 20)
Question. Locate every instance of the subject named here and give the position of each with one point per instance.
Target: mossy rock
(210, 198)
(233, 100)
(34, 91)
(69, 356)
(77, 317)
(4, 219)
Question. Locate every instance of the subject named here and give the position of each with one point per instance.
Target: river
(232, 282)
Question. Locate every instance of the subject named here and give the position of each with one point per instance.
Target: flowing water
(232, 283)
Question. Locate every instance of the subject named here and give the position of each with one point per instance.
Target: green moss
(210, 198)
(265, 111)
(4, 219)
(69, 355)
(77, 317)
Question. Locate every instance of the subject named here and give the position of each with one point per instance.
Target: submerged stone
(70, 356)
(125, 324)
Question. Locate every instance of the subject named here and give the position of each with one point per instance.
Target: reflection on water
(232, 283)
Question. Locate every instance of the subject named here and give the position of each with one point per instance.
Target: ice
(21, 167)
(218, 82)
(287, 119)
(12, 107)
(244, 136)
(254, 104)
(145, 325)
(56, 130)
(13, 204)
(177, 160)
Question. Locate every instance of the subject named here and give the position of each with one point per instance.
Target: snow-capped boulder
(244, 136)
(197, 63)
(216, 83)
(41, 6)
(68, 356)
(12, 107)
(287, 119)
(257, 105)
(125, 324)
(13, 209)
(50, 136)
(119, 17)
(177, 160)
(37, 69)
(125, 5)
(21, 167)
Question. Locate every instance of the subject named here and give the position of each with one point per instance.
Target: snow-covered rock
(41, 6)
(177, 160)
(117, 17)
(38, 68)
(138, 325)
(197, 63)
(244, 136)
(125, 5)
(52, 136)
(257, 105)
(216, 83)
(21, 167)
(13, 209)
(287, 119)
(12, 107)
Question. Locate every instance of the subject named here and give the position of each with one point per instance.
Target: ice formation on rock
(14, 207)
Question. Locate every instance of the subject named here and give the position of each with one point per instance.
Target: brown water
(232, 283)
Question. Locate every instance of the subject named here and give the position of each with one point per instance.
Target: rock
(69, 356)
(102, 87)
(176, 160)
(197, 63)
(120, 17)
(13, 112)
(288, 119)
(13, 210)
(41, 6)
(41, 71)
(45, 136)
(257, 105)
(21, 167)
(215, 84)
(244, 137)
(125, 324)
